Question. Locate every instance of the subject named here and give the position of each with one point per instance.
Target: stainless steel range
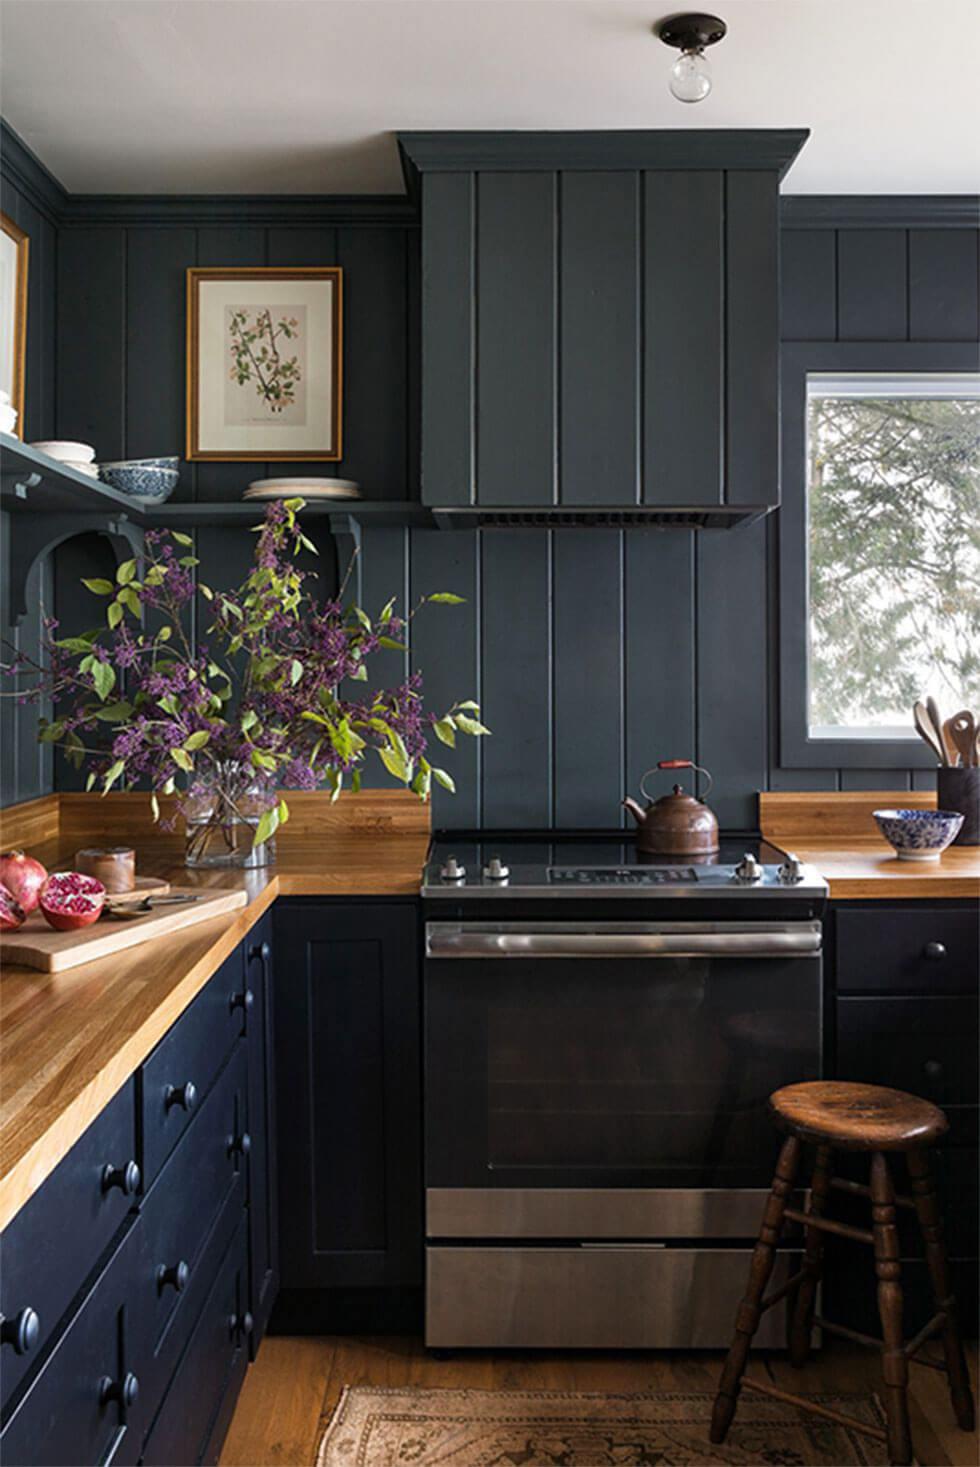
(601, 1033)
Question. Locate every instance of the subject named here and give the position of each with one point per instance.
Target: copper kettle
(677, 824)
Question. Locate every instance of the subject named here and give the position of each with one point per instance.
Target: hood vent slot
(558, 517)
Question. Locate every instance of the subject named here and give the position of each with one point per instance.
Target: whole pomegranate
(12, 914)
(23, 877)
(69, 900)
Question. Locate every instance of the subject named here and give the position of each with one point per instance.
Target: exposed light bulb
(690, 77)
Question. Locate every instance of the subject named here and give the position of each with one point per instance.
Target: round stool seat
(857, 1117)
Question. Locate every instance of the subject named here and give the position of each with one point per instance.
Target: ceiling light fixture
(690, 75)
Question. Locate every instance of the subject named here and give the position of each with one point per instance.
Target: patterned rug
(470, 1428)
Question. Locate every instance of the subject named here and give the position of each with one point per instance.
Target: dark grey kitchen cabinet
(600, 315)
(347, 1024)
(263, 1194)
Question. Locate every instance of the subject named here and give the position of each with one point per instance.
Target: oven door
(611, 1055)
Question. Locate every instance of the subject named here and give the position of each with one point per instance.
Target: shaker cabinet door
(263, 1195)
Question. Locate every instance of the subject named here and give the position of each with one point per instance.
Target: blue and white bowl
(170, 462)
(919, 835)
(145, 482)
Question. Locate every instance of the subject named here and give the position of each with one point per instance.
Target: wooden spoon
(964, 732)
(949, 743)
(924, 728)
(937, 722)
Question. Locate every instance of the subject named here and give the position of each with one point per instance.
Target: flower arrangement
(266, 700)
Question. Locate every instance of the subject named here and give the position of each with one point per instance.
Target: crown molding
(880, 211)
(29, 176)
(176, 211)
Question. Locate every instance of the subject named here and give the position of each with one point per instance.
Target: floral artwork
(264, 364)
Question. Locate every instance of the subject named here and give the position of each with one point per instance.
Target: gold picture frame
(13, 313)
(265, 364)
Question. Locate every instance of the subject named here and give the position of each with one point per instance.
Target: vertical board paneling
(943, 285)
(516, 653)
(156, 262)
(683, 338)
(872, 284)
(384, 573)
(732, 669)
(598, 361)
(445, 649)
(752, 320)
(215, 247)
(91, 385)
(875, 779)
(658, 635)
(808, 284)
(448, 285)
(375, 366)
(588, 676)
(516, 338)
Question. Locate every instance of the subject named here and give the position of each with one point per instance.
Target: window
(892, 540)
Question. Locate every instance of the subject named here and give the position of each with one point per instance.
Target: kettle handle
(677, 764)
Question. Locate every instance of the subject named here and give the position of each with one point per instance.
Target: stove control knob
(496, 870)
(748, 870)
(791, 871)
(453, 871)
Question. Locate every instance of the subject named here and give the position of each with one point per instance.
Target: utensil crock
(959, 789)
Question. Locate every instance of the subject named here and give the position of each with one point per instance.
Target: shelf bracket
(346, 532)
(22, 483)
(32, 537)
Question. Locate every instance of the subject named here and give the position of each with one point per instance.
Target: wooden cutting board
(36, 945)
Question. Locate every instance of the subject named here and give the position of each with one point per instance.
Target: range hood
(600, 326)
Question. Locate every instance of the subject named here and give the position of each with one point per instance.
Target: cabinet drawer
(923, 950)
(927, 1046)
(73, 1413)
(181, 1070)
(199, 1188)
(212, 1366)
(52, 1245)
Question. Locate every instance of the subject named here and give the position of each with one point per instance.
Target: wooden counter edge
(35, 1164)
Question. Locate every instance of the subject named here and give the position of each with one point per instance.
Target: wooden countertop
(69, 1041)
(837, 834)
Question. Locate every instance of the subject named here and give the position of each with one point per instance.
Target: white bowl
(66, 451)
(8, 418)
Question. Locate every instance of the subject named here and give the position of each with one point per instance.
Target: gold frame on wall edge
(330, 453)
(22, 244)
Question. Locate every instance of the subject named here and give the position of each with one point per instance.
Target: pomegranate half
(23, 877)
(70, 900)
(12, 914)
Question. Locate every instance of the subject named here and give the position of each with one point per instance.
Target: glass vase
(221, 816)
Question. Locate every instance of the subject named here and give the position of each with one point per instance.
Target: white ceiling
(304, 96)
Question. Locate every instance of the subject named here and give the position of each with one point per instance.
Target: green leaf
(470, 725)
(355, 782)
(169, 704)
(49, 733)
(155, 575)
(104, 677)
(395, 764)
(188, 560)
(181, 539)
(469, 705)
(112, 774)
(262, 761)
(249, 719)
(126, 572)
(267, 826)
(360, 675)
(165, 633)
(90, 780)
(197, 740)
(445, 731)
(392, 644)
(114, 615)
(283, 809)
(98, 586)
(182, 760)
(205, 591)
(446, 780)
(448, 598)
(130, 600)
(386, 611)
(362, 617)
(114, 712)
(295, 671)
(155, 807)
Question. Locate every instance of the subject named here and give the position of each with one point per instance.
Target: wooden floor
(293, 1387)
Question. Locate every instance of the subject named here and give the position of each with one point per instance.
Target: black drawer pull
(934, 951)
(184, 1096)
(244, 1001)
(933, 1069)
(261, 950)
(176, 1276)
(124, 1391)
(241, 1145)
(241, 1324)
(22, 1331)
(126, 1178)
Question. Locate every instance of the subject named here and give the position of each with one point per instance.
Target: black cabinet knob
(124, 1391)
(22, 1331)
(184, 1096)
(126, 1178)
(261, 950)
(241, 1324)
(934, 951)
(245, 1001)
(932, 1068)
(176, 1276)
(239, 1145)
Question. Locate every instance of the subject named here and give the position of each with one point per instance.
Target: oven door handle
(798, 939)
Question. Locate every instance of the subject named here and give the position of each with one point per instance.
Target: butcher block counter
(837, 834)
(69, 1041)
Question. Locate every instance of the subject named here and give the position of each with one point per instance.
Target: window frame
(800, 359)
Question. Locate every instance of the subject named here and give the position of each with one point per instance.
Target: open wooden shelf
(33, 483)
(365, 512)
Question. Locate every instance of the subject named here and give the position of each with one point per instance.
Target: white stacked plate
(74, 455)
(298, 488)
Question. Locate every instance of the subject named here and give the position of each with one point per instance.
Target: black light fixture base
(690, 31)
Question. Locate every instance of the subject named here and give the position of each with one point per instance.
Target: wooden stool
(847, 1117)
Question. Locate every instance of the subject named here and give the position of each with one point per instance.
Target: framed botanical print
(14, 245)
(264, 363)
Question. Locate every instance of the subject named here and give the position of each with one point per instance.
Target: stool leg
(894, 1365)
(801, 1321)
(760, 1270)
(931, 1223)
